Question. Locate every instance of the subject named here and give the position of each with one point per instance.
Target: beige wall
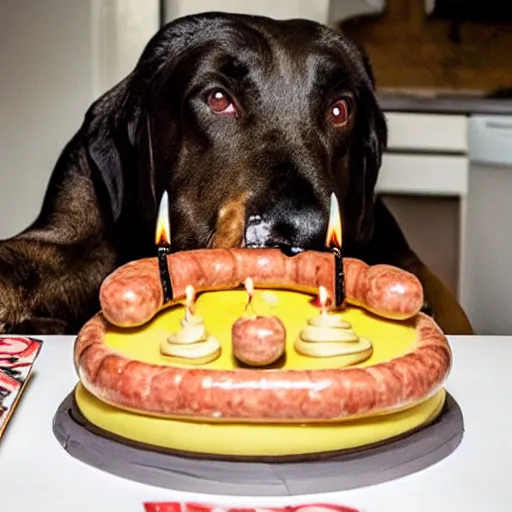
(45, 86)
(56, 57)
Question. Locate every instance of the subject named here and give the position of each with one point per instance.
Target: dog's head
(250, 124)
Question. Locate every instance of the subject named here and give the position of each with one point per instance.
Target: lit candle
(328, 335)
(163, 242)
(326, 319)
(249, 287)
(190, 295)
(192, 343)
(323, 296)
(192, 325)
(334, 241)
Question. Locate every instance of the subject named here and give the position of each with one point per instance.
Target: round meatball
(259, 340)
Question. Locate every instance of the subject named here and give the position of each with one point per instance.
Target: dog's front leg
(47, 288)
(37, 326)
(50, 288)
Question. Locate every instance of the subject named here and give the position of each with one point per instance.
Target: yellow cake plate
(219, 310)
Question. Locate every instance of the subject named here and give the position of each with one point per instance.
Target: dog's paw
(35, 326)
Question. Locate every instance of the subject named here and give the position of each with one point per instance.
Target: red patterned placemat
(198, 507)
(17, 356)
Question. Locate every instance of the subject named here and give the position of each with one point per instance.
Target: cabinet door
(432, 227)
(424, 174)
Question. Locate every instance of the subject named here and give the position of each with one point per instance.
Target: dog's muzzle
(260, 233)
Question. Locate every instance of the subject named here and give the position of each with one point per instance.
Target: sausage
(256, 394)
(384, 290)
(259, 340)
(132, 294)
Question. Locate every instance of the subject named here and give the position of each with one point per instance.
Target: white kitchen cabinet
(425, 132)
(430, 174)
(424, 182)
(488, 271)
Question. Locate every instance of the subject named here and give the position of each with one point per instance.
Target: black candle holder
(339, 277)
(165, 276)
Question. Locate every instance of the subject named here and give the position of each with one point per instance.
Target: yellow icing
(219, 310)
(256, 439)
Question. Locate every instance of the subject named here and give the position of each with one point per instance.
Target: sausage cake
(168, 375)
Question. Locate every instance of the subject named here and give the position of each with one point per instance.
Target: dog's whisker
(209, 239)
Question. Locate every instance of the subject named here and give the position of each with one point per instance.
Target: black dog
(221, 110)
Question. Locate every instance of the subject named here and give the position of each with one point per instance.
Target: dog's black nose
(257, 231)
(287, 210)
(290, 229)
(259, 234)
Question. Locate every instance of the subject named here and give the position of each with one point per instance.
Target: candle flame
(334, 229)
(163, 229)
(190, 294)
(323, 296)
(249, 286)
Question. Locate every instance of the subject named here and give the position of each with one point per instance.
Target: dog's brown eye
(220, 103)
(339, 113)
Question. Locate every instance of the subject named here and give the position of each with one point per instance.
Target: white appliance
(322, 11)
(488, 267)
(423, 180)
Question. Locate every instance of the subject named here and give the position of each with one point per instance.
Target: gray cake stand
(278, 477)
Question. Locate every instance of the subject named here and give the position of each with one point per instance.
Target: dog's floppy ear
(108, 146)
(369, 140)
(116, 129)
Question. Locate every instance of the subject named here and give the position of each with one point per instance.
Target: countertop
(36, 473)
(444, 104)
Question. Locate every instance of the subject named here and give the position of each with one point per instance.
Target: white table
(36, 473)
